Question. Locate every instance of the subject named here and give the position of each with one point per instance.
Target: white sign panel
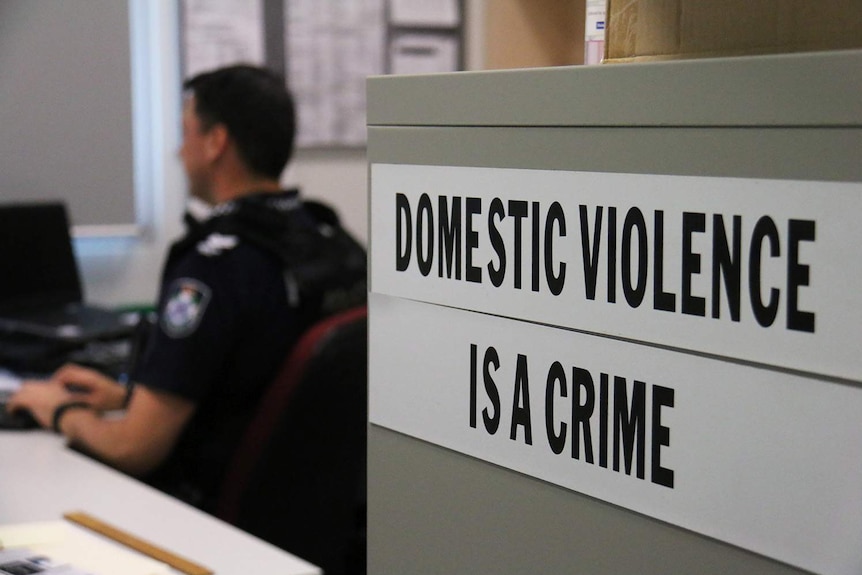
(762, 459)
(761, 270)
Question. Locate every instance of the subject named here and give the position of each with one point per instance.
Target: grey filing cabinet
(433, 509)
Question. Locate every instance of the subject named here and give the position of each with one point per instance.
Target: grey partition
(434, 509)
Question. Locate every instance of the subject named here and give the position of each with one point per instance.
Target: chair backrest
(298, 477)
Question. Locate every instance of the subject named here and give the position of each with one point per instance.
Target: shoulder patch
(216, 243)
(187, 301)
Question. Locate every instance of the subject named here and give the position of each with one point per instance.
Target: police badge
(187, 301)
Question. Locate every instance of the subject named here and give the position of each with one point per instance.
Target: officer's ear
(216, 142)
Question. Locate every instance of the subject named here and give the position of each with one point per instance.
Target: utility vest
(325, 268)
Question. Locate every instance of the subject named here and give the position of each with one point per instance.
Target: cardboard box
(674, 29)
(533, 33)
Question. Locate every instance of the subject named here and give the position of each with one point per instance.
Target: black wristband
(62, 409)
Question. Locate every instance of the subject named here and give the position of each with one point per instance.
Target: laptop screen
(37, 264)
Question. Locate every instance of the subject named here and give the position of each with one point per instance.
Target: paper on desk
(75, 546)
(23, 560)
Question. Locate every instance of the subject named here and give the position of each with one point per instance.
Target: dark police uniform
(237, 292)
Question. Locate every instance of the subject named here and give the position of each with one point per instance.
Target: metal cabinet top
(810, 89)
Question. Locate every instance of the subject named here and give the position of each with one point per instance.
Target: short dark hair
(256, 108)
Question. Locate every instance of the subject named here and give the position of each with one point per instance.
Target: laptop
(40, 285)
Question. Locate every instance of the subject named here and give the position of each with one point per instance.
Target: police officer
(253, 271)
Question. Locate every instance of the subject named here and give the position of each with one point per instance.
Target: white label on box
(758, 458)
(595, 22)
(761, 270)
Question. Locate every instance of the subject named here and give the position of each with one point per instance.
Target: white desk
(41, 479)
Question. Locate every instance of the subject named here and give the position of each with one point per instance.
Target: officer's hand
(91, 387)
(40, 398)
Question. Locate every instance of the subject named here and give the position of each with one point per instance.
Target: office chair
(298, 477)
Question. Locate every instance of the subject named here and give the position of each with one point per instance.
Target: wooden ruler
(139, 545)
